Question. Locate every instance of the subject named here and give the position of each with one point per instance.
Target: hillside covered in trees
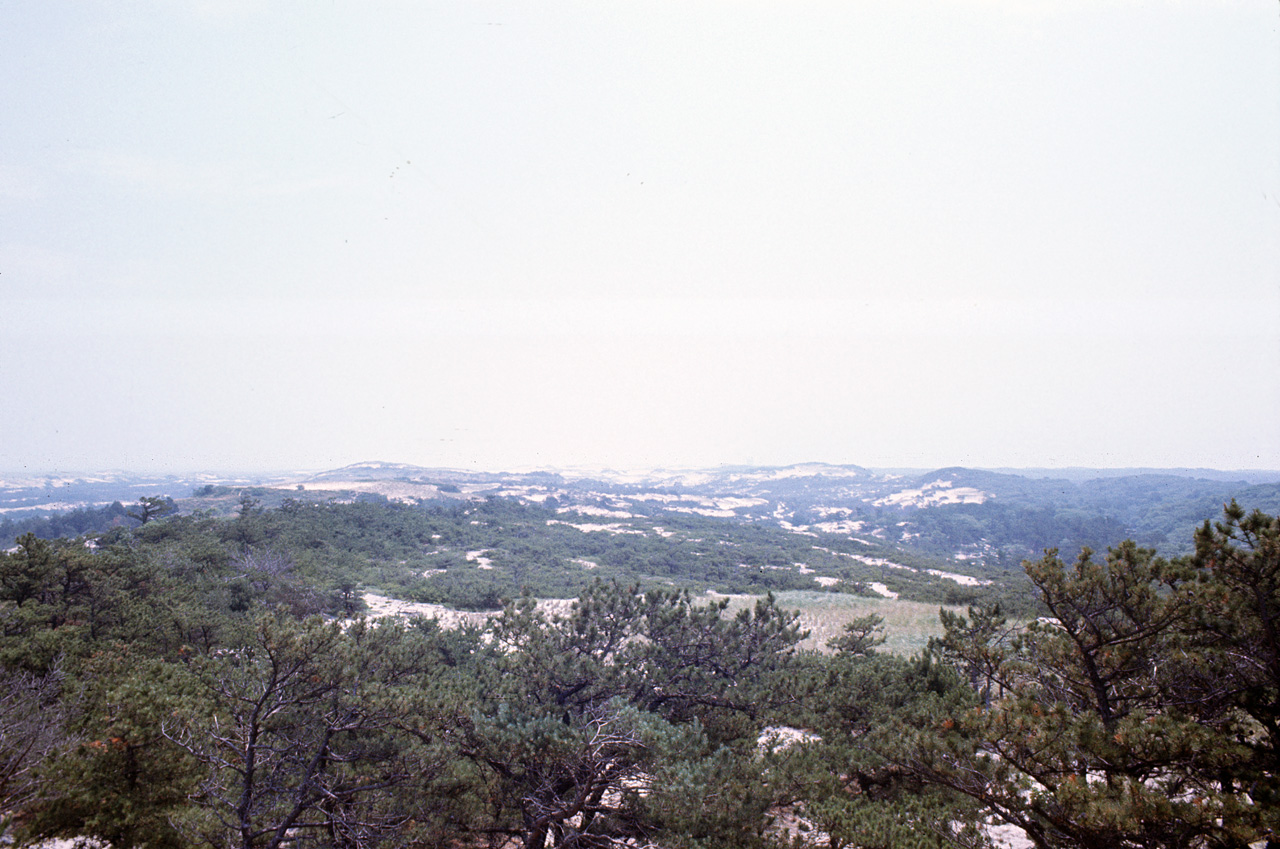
(987, 519)
(205, 672)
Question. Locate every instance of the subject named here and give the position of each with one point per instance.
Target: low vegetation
(201, 680)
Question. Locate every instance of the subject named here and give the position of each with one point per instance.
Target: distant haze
(496, 235)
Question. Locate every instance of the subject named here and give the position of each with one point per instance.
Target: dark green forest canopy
(474, 554)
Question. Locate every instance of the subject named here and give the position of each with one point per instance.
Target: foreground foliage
(1141, 713)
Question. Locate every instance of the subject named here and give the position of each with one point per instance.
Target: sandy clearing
(935, 493)
(664, 497)
(881, 589)
(395, 490)
(875, 561)
(477, 557)
(710, 512)
(841, 527)
(588, 510)
(738, 503)
(962, 580)
(382, 606)
(589, 527)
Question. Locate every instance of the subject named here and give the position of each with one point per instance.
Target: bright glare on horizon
(499, 235)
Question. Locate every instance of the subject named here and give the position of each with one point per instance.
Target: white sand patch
(712, 512)
(824, 581)
(429, 572)
(476, 489)
(53, 506)
(779, 738)
(611, 475)
(962, 580)
(1008, 837)
(722, 508)
(478, 557)
(881, 589)
(738, 503)
(862, 558)
(933, 494)
(664, 497)
(682, 478)
(876, 561)
(405, 491)
(587, 510)
(802, 530)
(589, 527)
(381, 606)
(585, 564)
(715, 596)
(843, 527)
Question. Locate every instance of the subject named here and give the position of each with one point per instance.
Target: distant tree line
(67, 524)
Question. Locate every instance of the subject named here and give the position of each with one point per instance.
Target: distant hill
(975, 516)
(1079, 473)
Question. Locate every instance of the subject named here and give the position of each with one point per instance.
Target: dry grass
(908, 624)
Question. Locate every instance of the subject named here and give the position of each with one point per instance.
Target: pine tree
(580, 714)
(1229, 673)
(1091, 737)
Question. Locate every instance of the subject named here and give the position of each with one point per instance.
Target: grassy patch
(908, 624)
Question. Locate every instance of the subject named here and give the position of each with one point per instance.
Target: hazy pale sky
(268, 235)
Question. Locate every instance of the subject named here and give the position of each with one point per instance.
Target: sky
(255, 235)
